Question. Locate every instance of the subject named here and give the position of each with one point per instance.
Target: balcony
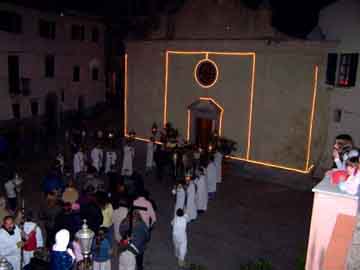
(333, 224)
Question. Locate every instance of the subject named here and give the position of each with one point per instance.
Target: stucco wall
(341, 21)
(32, 49)
(284, 81)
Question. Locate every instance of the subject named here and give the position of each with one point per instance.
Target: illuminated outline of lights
(312, 115)
(126, 94)
(268, 164)
(189, 116)
(248, 147)
(166, 87)
(307, 169)
(216, 68)
(188, 125)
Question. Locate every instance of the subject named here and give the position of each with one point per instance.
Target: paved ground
(249, 219)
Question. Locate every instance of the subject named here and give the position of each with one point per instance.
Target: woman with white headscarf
(62, 257)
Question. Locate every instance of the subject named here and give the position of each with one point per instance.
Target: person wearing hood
(10, 242)
(62, 257)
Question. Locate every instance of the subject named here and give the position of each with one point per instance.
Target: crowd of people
(95, 187)
(345, 171)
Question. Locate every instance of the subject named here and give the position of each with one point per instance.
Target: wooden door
(203, 131)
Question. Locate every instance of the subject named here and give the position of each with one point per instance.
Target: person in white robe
(127, 166)
(201, 197)
(110, 160)
(79, 162)
(179, 192)
(191, 209)
(211, 176)
(150, 149)
(218, 157)
(10, 243)
(32, 232)
(179, 224)
(97, 157)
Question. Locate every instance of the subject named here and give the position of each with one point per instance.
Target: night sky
(293, 17)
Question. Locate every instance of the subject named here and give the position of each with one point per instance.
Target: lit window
(347, 69)
(342, 73)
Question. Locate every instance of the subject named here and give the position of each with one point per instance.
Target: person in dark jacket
(69, 219)
(92, 213)
(138, 237)
(61, 257)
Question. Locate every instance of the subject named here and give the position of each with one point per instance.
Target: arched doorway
(204, 120)
(51, 113)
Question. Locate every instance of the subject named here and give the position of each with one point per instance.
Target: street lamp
(85, 236)
(4, 264)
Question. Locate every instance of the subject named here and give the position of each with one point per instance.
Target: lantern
(4, 264)
(85, 236)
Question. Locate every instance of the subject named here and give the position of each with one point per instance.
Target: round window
(206, 73)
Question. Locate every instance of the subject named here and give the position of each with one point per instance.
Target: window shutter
(331, 68)
(353, 69)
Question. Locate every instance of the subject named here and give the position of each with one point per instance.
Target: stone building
(217, 66)
(50, 62)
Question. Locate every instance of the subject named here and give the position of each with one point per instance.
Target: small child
(352, 183)
(180, 193)
(101, 251)
(179, 236)
(77, 251)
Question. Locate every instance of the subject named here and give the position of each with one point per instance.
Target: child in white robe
(179, 191)
(218, 157)
(127, 166)
(201, 197)
(191, 209)
(179, 224)
(211, 176)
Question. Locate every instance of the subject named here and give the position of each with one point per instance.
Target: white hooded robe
(179, 236)
(180, 198)
(127, 166)
(201, 197)
(211, 177)
(191, 209)
(218, 157)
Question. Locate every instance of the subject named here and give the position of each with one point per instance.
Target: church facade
(226, 70)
